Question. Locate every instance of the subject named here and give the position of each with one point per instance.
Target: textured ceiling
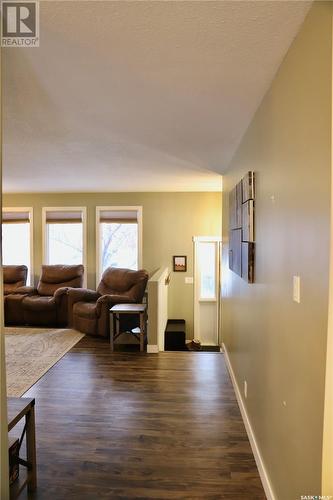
(139, 96)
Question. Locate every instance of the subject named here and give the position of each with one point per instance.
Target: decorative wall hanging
(180, 263)
(241, 228)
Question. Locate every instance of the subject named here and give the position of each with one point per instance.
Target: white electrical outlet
(189, 280)
(245, 388)
(297, 289)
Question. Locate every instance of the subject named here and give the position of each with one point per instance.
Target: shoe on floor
(194, 345)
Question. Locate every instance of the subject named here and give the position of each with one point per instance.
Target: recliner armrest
(112, 300)
(60, 292)
(25, 290)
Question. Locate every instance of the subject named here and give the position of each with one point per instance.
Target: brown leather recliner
(14, 281)
(13, 278)
(49, 305)
(89, 311)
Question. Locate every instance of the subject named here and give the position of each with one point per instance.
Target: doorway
(206, 289)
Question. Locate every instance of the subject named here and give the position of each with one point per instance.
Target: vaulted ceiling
(139, 95)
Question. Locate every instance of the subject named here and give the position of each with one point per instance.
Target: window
(118, 237)
(207, 266)
(64, 235)
(17, 238)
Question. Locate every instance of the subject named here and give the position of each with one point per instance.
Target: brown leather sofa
(89, 311)
(48, 306)
(14, 281)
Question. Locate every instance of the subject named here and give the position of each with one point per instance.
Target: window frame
(30, 210)
(45, 244)
(138, 209)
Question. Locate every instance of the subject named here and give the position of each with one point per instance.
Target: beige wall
(4, 475)
(170, 220)
(327, 475)
(279, 346)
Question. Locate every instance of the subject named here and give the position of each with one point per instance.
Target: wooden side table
(117, 310)
(17, 409)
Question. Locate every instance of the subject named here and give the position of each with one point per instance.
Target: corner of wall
(327, 458)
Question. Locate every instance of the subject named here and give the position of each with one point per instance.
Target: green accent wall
(170, 220)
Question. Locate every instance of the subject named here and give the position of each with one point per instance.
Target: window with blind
(118, 237)
(64, 230)
(17, 238)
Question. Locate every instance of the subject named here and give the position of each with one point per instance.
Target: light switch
(297, 289)
(189, 280)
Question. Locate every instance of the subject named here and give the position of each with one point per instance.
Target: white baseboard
(152, 349)
(255, 448)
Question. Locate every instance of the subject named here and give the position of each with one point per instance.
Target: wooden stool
(17, 409)
(117, 310)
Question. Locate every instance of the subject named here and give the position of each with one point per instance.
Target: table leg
(146, 326)
(31, 449)
(113, 330)
(142, 332)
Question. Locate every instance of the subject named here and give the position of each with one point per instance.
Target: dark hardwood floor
(131, 425)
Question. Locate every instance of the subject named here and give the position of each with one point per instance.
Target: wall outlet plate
(297, 289)
(189, 280)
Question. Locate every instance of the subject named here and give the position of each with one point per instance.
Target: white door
(206, 289)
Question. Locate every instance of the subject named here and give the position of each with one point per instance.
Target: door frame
(196, 314)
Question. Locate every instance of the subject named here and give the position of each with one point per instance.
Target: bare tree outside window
(65, 243)
(119, 246)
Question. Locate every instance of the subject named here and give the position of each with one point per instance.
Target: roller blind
(63, 217)
(15, 217)
(118, 216)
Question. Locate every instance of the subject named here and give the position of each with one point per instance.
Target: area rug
(31, 352)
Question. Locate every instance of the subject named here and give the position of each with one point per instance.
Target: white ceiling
(139, 95)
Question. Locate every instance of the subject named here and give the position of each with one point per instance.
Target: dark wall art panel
(241, 228)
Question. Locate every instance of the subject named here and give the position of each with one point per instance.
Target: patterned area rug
(31, 352)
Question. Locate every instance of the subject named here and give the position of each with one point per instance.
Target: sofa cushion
(58, 276)
(39, 304)
(11, 287)
(39, 311)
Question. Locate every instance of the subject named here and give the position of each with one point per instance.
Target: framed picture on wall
(179, 263)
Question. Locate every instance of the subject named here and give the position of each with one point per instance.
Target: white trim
(152, 349)
(253, 442)
(83, 210)
(157, 287)
(30, 210)
(197, 299)
(207, 238)
(138, 209)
